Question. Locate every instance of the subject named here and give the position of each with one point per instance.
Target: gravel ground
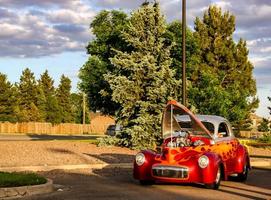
(36, 153)
(39, 153)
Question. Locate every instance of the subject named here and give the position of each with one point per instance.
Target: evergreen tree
(264, 126)
(51, 109)
(63, 94)
(106, 27)
(222, 82)
(8, 100)
(31, 98)
(143, 81)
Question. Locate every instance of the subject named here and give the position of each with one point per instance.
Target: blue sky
(52, 34)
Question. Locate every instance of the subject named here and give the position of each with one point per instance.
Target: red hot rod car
(196, 149)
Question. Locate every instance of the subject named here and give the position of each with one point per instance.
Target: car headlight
(203, 161)
(140, 159)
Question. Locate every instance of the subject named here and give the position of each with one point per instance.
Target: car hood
(170, 124)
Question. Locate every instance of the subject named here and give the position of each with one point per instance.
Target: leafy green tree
(51, 108)
(107, 27)
(31, 98)
(77, 107)
(63, 94)
(174, 35)
(222, 82)
(264, 126)
(143, 81)
(8, 100)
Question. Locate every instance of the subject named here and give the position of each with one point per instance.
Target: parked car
(196, 149)
(112, 130)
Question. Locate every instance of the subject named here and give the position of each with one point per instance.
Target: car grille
(170, 171)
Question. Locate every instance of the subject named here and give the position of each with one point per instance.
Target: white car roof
(214, 119)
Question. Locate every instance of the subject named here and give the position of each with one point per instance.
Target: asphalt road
(118, 184)
(36, 137)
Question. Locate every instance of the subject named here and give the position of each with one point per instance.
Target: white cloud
(40, 31)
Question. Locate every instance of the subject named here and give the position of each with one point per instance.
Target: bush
(266, 138)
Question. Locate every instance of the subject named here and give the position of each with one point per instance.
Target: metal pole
(184, 53)
(84, 108)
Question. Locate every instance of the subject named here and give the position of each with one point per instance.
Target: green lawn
(20, 179)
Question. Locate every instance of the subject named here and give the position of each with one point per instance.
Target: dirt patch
(32, 153)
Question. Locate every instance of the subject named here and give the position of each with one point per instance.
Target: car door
(226, 139)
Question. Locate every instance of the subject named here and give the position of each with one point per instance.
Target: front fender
(209, 173)
(242, 157)
(143, 172)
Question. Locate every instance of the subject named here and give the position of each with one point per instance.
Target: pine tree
(143, 81)
(107, 27)
(31, 98)
(63, 94)
(8, 100)
(222, 82)
(51, 109)
(264, 126)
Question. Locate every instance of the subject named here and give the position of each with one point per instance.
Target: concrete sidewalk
(66, 167)
(256, 164)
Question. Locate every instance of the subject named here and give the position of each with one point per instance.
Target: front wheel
(215, 185)
(243, 175)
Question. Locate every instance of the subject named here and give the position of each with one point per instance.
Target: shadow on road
(116, 183)
(248, 190)
(62, 137)
(112, 157)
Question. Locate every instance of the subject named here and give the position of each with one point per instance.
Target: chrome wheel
(218, 175)
(215, 185)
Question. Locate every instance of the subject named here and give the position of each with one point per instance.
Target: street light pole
(84, 108)
(183, 53)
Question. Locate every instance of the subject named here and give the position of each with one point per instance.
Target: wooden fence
(97, 126)
(251, 134)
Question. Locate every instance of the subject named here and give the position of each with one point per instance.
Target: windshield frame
(172, 109)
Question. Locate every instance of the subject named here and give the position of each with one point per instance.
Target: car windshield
(177, 118)
(187, 125)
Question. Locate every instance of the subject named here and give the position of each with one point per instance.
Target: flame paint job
(226, 153)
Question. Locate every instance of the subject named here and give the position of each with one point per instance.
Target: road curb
(260, 163)
(19, 192)
(66, 167)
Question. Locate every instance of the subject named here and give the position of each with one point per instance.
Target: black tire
(242, 177)
(215, 185)
(146, 182)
